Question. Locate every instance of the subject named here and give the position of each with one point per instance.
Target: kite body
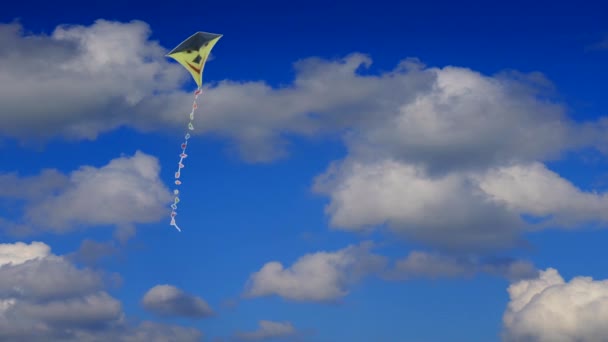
(192, 54)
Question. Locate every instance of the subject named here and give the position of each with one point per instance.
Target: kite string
(183, 156)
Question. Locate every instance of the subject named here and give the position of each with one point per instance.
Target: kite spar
(192, 54)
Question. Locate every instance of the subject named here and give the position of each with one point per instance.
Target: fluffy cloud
(45, 298)
(457, 165)
(459, 210)
(321, 276)
(167, 300)
(471, 121)
(19, 252)
(535, 190)
(269, 330)
(46, 279)
(124, 192)
(445, 211)
(85, 80)
(136, 85)
(326, 95)
(550, 309)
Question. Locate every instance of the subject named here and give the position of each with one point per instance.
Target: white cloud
(467, 120)
(269, 330)
(447, 211)
(79, 81)
(458, 210)
(168, 300)
(19, 252)
(45, 298)
(124, 192)
(533, 189)
(550, 309)
(321, 276)
(431, 165)
(47, 278)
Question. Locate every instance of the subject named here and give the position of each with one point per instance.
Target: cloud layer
(447, 117)
(328, 276)
(447, 157)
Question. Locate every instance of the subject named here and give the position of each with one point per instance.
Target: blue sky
(359, 172)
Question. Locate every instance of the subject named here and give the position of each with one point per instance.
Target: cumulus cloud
(269, 330)
(458, 161)
(321, 276)
(548, 308)
(446, 211)
(168, 300)
(43, 297)
(124, 192)
(46, 279)
(136, 85)
(475, 211)
(469, 121)
(326, 95)
(85, 79)
(535, 190)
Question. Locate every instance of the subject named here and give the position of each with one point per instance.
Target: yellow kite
(192, 54)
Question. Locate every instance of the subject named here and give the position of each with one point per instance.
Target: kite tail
(183, 156)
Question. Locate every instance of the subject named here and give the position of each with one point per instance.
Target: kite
(192, 54)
